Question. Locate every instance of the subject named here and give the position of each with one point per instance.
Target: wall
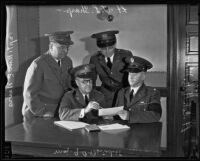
(143, 30)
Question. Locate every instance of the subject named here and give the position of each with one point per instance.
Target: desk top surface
(43, 132)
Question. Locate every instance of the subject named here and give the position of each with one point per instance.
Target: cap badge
(132, 60)
(104, 36)
(86, 69)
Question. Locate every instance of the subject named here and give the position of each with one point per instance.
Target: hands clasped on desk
(92, 106)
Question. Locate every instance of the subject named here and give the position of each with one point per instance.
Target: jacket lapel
(79, 97)
(102, 62)
(64, 65)
(51, 61)
(141, 93)
(93, 96)
(55, 68)
(116, 60)
(127, 96)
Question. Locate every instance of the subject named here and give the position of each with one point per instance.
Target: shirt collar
(135, 89)
(57, 60)
(111, 58)
(84, 94)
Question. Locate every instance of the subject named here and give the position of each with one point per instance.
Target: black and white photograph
(101, 81)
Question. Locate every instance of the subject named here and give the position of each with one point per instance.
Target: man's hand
(124, 114)
(92, 105)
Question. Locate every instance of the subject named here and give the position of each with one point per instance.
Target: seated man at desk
(83, 102)
(141, 103)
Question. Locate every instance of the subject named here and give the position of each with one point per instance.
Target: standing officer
(109, 61)
(48, 77)
(141, 103)
(83, 102)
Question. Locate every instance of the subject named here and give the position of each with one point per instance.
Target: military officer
(48, 77)
(141, 103)
(83, 102)
(109, 62)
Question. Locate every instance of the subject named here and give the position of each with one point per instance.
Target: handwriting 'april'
(93, 10)
(87, 153)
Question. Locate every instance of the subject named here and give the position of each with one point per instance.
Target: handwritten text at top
(93, 10)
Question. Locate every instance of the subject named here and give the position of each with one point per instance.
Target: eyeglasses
(108, 47)
(85, 81)
(63, 47)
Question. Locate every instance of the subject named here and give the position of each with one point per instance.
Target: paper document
(70, 125)
(110, 111)
(115, 126)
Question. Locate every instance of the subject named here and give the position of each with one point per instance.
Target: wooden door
(183, 64)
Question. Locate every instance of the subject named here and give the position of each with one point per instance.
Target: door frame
(176, 33)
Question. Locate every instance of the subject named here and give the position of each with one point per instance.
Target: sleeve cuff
(82, 113)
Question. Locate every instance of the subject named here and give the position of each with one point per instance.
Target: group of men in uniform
(48, 86)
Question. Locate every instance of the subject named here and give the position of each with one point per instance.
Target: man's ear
(144, 75)
(76, 82)
(50, 45)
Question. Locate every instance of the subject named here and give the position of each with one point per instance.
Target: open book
(70, 125)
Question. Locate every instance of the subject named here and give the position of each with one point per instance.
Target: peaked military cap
(106, 38)
(137, 64)
(84, 71)
(61, 37)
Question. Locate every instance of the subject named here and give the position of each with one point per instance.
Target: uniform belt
(111, 88)
(49, 100)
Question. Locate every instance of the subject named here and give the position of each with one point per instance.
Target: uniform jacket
(144, 107)
(112, 79)
(73, 102)
(45, 83)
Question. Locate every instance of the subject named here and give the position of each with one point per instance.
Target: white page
(70, 125)
(115, 126)
(110, 111)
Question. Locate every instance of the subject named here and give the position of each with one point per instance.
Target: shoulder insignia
(38, 59)
(42, 57)
(96, 54)
(151, 89)
(132, 60)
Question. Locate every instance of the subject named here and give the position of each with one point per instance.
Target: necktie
(131, 94)
(109, 64)
(59, 63)
(86, 100)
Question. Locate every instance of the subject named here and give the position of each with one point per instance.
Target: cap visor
(86, 76)
(133, 70)
(106, 44)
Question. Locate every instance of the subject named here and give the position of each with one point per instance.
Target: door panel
(183, 66)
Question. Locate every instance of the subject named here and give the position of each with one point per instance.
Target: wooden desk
(40, 137)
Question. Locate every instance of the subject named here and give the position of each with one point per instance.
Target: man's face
(108, 51)
(136, 79)
(84, 85)
(58, 51)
